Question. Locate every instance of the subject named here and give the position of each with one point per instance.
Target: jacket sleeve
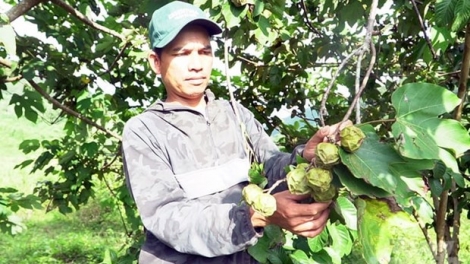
(267, 152)
(195, 226)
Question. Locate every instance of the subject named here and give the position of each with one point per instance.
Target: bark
(22, 8)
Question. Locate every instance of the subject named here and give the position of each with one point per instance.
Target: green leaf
(256, 175)
(459, 179)
(372, 162)
(323, 256)
(418, 130)
(376, 228)
(259, 8)
(340, 239)
(7, 38)
(445, 11)
(435, 186)
(263, 25)
(439, 170)
(334, 256)
(272, 237)
(358, 186)
(4, 19)
(423, 209)
(352, 13)
(317, 243)
(300, 257)
(347, 210)
(232, 14)
(462, 14)
(29, 145)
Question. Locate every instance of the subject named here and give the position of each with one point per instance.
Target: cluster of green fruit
(314, 179)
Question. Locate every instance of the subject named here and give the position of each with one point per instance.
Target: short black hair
(158, 51)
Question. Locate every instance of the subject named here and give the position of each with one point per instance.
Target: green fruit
(265, 204)
(323, 196)
(251, 192)
(297, 181)
(351, 138)
(319, 178)
(327, 154)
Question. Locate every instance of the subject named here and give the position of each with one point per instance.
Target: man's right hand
(307, 220)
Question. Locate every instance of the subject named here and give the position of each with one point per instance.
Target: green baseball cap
(168, 21)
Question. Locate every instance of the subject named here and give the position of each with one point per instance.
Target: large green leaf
(376, 229)
(418, 130)
(380, 165)
(445, 11)
(358, 186)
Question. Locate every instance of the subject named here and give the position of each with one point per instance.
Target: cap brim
(211, 27)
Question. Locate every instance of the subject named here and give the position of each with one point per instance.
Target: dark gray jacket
(186, 171)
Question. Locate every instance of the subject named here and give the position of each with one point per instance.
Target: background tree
(310, 56)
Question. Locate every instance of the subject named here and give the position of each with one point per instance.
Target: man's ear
(154, 61)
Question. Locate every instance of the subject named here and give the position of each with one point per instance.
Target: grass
(84, 236)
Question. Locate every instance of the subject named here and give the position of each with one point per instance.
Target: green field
(86, 235)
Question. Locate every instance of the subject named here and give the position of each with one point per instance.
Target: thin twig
(70, 111)
(277, 183)
(423, 27)
(307, 20)
(368, 44)
(422, 226)
(12, 79)
(363, 85)
(63, 107)
(87, 21)
(5, 62)
(357, 86)
(121, 52)
(115, 196)
(323, 111)
(249, 151)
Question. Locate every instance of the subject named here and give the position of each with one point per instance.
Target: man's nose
(195, 62)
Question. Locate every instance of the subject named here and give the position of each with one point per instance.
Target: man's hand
(322, 135)
(307, 220)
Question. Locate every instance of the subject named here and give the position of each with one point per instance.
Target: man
(185, 160)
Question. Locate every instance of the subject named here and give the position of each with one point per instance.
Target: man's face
(185, 65)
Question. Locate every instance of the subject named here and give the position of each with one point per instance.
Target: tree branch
(21, 8)
(368, 44)
(87, 21)
(5, 62)
(11, 79)
(423, 27)
(307, 20)
(323, 111)
(463, 75)
(71, 112)
(440, 227)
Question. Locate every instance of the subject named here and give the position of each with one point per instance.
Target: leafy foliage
(284, 53)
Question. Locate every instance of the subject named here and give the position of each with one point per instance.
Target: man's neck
(198, 104)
